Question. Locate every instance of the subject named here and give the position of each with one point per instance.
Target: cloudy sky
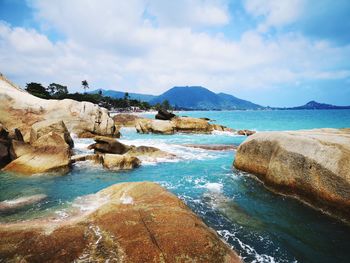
(277, 53)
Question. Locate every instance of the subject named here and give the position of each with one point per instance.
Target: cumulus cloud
(132, 45)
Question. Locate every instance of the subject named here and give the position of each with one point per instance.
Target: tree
(126, 99)
(37, 90)
(165, 105)
(100, 92)
(57, 90)
(85, 85)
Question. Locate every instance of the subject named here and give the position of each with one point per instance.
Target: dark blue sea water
(260, 225)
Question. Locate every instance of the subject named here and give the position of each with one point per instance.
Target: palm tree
(85, 85)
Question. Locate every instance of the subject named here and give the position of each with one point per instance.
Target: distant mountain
(196, 97)
(120, 94)
(313, 105)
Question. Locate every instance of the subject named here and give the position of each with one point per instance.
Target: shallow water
(260, 225)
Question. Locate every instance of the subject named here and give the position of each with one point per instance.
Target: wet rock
(245, 132)
(313, 165)
(135, 222)
(5, 142)
(96, 158)
(120, 162)
(149, 153)
(108, 145)
(18, 148)
(13, 204)
(164, 115)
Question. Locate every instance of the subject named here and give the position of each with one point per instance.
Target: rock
(108, 145)
(245, 132)
(213, 147)
(164, 115)
(154, 126)
(43, 128)
(9, 205)
(41, 160)
(18, 135)
(126, 120)
(135, 222)
(120, 162)
(5, 142)
(191, 125)
(148, 153)
(19, 109)
(18, 148)
(313, 165)
(96, 158)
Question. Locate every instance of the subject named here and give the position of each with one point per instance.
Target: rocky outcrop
(313, 165)
(135, 222)
(49, 150)
(126, 120)
(164, 115)
(120, 162)
(19, 109)
(245, 132)
(178, 124)
(108, 145)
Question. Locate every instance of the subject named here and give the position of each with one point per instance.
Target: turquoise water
(260, 225)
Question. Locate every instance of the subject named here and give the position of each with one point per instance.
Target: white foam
(214, 187)
(89, 202)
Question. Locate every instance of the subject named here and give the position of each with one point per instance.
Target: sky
(271, 52)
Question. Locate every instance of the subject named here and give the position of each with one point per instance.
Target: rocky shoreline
(313, 165)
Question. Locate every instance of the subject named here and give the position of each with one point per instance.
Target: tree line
(59, 92)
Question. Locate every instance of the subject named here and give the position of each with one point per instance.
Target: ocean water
(261, 226)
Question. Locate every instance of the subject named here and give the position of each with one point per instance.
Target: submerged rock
(135, 222)
(213, 147)
(13, 204)
(19, 109)
(313, 165)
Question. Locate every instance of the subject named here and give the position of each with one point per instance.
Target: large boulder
(126, 120)
(120, 162)
(43, 128)
(154, 126)
(191, 125)
(108, 145)
(19, 109)
(164, 115)
(134, 222)
(313, 165)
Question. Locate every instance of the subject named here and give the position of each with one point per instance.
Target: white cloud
(276, 13)
(115, 46)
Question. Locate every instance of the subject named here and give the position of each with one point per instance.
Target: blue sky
(277, 53)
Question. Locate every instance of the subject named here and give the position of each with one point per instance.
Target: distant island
(313, 105)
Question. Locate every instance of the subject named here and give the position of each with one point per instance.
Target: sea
(260, 225)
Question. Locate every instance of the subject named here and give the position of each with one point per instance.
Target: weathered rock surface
(136, 222)
(164, 115)
(19, 109)
(154, 126)
(49, 150)
(213, 147)
(178, 124)
(245, 132)
(13, 204)
(126, 120)
(313, 165)
(5, 143)
(148, 153)
(43, 128)
(120, 162)
(108, 145)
